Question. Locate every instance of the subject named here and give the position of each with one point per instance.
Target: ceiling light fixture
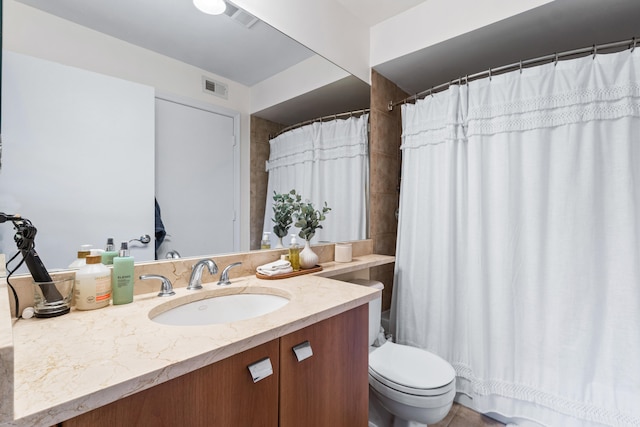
(211, 7)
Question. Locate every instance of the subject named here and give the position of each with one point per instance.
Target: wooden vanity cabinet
(221, 394)
(329, 388)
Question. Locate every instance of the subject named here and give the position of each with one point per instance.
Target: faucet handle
(224, 277)
(166, 289)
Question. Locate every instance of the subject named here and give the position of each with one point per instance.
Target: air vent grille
(240, 16)
(214, 87)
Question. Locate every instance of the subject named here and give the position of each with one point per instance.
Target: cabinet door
(329, 388)
(222, 394)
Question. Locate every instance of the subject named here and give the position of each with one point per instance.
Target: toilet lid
(410, 367)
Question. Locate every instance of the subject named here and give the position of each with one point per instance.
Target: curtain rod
(629, 44)
(320, 119)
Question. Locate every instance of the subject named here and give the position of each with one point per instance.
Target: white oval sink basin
(221, 309)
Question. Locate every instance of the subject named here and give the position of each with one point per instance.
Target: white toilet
(416, 387)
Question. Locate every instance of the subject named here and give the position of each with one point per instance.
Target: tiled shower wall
(384, 143)
(259, 152)
(385, 161)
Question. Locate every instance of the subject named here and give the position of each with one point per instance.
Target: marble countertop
(74, 363)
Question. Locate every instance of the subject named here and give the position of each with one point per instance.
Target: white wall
(73, 140)
(303, 77)
(435, 21)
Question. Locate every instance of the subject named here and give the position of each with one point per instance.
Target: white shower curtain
(324, 161)
(518, 253)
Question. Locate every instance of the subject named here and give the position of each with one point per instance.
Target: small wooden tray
(292, 274)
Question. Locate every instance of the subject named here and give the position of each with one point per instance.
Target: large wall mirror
(177, 53)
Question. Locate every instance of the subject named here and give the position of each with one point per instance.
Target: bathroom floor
(461, 416)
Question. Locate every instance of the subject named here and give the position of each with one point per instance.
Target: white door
(196, 178)
(77, 158)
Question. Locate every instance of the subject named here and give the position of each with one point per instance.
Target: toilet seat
(411, 370)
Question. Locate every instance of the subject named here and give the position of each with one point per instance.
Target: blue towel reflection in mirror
(160, 231)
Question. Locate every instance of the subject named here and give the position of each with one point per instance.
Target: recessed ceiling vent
(215, 88)
(240, 16)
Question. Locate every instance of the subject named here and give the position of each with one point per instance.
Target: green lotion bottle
(122, 277)
(109, 252)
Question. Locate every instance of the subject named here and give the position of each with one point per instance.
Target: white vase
(279, 245)
(308, 258)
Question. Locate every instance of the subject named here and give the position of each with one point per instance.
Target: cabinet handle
(303, 351)
(260, 369)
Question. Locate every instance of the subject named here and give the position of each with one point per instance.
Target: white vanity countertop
(71, 364)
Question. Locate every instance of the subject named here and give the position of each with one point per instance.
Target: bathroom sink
(218, 309)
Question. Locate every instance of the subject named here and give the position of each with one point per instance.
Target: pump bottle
(83, 252)
(109, 252)
(93, 285)
(266, 241)
(294, 253)
(122, 278)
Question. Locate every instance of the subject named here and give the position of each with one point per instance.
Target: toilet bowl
(412, 384)
(415, 386)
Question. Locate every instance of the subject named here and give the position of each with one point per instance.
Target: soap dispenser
(294, 253)
(109, 253)
(266, 241)
(81, 260)
(93, 284)
(122, 278)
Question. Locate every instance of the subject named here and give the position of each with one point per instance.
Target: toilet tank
(375, 308)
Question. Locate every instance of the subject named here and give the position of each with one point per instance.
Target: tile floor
(461, 416)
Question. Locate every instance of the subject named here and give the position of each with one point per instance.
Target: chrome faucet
(166, 289)
(224, 277)
(195, 282)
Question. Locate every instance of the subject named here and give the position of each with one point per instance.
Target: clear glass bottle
(294, 253)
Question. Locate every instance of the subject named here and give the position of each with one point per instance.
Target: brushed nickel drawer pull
(261, 369)
(303, 351)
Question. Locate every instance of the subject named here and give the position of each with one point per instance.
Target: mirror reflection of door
(196, 179)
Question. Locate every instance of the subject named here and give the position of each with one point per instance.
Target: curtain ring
(634, 44)
(489, 74)
(555, 61)
(466, 79)
(595, 51)
(521, 66)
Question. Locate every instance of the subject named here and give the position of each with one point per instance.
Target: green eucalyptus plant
(284, 206)
(308, 219)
